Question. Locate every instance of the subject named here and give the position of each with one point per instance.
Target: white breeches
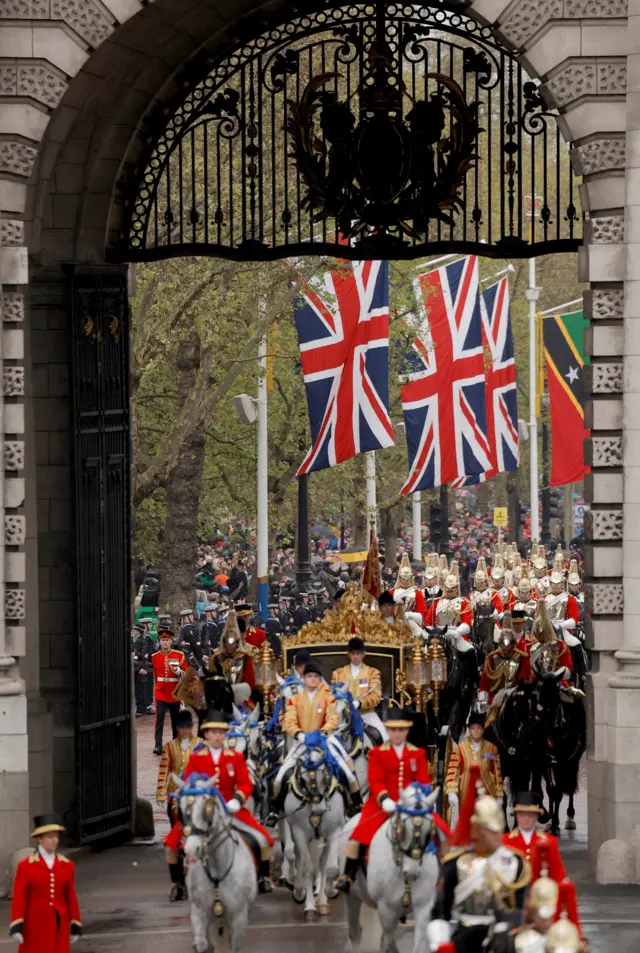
(373, 719)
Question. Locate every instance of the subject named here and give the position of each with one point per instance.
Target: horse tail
(371, 929)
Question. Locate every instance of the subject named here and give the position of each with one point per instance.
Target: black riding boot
(264, 878)
(351, 870)
(178, 891)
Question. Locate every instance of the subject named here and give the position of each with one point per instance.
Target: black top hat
(46, 824)
(399, 718)
(184, 719)
(528, 801)
(355, 645)
(476, 718)
(215, 719)
(312, 668)
(386, 599)
(301, 657)
(518, 614)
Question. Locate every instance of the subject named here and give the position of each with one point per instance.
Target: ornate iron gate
(406, 129)
(102, 500)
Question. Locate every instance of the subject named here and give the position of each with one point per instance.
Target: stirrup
(343, 883)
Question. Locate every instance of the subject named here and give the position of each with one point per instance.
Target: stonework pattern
(606, 451)
(527, 17)
(13, 380)
(603, 524)
(601, 155)
(15, 530)
(607, 304)
(24, 9)
(575, 80)
(607, 231)
(605, 378)
(87, 17)
(594, 8)
(612, 78)
(17, 157)
(14, 455)
(41, 82)
(15, 603)
(11, 232)
(12, 306)
(604, 598)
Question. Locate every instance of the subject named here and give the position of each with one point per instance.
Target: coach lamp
(266, 674)
(417, 679)
(437, 671)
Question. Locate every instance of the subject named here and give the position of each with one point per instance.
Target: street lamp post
(303, 563)
(531, 294)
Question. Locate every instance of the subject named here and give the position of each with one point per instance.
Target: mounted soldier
(564, 610)
(432, 582)
(540, 581)
(483, 594)
(452, 609)
(547, 654)
(526, 601)
(234, 660)
(507, 591)
(406, 592)
(501, 667)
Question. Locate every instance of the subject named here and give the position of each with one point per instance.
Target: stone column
(14, 783)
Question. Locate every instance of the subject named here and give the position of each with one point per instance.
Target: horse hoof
(299, 896)
(570, 825)
(310, 916)
(332, 893)
(323, 909)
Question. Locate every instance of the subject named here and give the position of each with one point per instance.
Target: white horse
(221, 876)
(352, 734)
(314, 814)
(402, 871)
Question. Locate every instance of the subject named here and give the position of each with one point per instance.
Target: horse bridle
(415, 850)
(220, 838)
(312, 794)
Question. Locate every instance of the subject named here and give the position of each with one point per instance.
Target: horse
(314, 811)
(482, 630)
(512, 731)
(221, 876)
(352, 733)
(457, 694)
(402, 871)
(560, 742)
(244, 736)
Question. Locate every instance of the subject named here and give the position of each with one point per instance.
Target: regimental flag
(371, 581)
(343, 332)
(564, 355)
(443, 389)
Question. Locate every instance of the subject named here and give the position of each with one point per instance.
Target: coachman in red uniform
(253, 635)
(45, 916)
(168, 667)
(532, 843)
(393, 766)
(231, 776)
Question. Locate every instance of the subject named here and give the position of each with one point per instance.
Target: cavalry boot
(264, 879)
(176, 890)
(352, 866)
(356, 801)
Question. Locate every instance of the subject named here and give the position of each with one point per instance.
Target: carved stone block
(528, 16)
(604, 598)
(612, 78)
(604, 304)
(595, 8)
(11, 232)
(603, 451)
(85, 16)
(24, 9)
(607, 231)
(12, 306)
(15, 530)
(15, 603)
(604, 378)
(14, 455)
(575, 80)
(41, 82)
(603, 524)
(13, 381)
(17, 157)
(600, 155)
(8, 80)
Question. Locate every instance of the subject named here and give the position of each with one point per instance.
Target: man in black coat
(191, 640)
(143, 649)
(301, 615)
(210, 631)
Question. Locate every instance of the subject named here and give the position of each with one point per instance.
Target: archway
(86, 126)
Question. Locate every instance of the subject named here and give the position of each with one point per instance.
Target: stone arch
(76, 78)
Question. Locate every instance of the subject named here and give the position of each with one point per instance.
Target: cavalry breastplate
(481, 597)
(557, 607)
(528, 607)
(544, 657)
(407, 596)
(503, 670)
(233, 668)
(540, 584)
(448, 611)
(484, 885)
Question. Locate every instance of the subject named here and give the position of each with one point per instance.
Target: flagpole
(417, 527)
(372, 502)
(531, 294)
(262, 554)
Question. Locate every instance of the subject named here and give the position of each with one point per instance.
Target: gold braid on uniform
(504, 892)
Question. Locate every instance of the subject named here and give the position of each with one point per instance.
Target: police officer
(190, 641)
(273, 628)
(323, 602)
(143, 649)
(210, 633)
(285, 615)
(301, 615)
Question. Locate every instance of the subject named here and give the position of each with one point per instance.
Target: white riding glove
(356, 703)
(73, 938)
(452, 797)
(234, 805)
(18, 937)
(300, 736)
(483, 701)
(388, 805)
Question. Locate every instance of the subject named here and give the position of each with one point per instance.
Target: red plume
(446, 948)
(539, 861)
(568, 903)
(462, 833)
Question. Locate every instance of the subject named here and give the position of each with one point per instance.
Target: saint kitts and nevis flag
(565, 360)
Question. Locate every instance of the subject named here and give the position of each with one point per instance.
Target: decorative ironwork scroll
(407, 129)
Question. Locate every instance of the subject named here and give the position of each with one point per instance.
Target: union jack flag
(443, 394)
(343, 333)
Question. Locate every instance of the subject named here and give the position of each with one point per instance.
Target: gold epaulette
(513, 833)
(386, 746)
(411, 747)
(453, 854)
(65, 860)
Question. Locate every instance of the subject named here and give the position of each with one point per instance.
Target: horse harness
(415, 850)
(311, 794)
(221, 838)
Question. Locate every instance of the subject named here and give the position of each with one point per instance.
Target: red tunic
(255, 636)
(45, 904)
(231, 778)
(166, 679)
(466, 613)
(419, 605)
(527, 672)
(388, 776)
(551, 853)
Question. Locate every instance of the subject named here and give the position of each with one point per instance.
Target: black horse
(482, 631)
(512, 731)
(560, 741)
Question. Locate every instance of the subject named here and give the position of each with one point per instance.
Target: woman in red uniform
(229, 771)
(393, 766)
(45, 916)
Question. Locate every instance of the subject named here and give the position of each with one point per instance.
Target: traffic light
(556, 503)
(435, 524)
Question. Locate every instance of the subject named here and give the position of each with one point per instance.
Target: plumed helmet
(542, 629)
(497, 570)
(404, 579)
(543, 897)
(488, 814)
(563, 937)
(556, 578)
(524, 588)
(574, 576)
(481, 572)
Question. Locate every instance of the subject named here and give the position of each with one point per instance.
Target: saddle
(252, 844)
(373, 735)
